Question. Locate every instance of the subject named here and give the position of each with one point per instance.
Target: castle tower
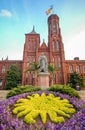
(56, 47)
(30, 54)
(54, 51)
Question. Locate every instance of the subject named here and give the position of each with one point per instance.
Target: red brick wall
(7, 64)
(53, 50)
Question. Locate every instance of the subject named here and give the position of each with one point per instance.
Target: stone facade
(53, 51)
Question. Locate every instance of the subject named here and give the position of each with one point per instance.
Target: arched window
(50, 28)
(77, 69)
(57, 29)
(34, 59)
(53, 59)
(28, 58)
(53, 45)
(28, 45)
(57, 45)
(71, 69)
(59, 61)
(60, 77)
(54, 28)
(28, 64)
(84, 69)
(34, 44)
(3, 69)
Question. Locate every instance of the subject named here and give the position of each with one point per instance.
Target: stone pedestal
(43, 80)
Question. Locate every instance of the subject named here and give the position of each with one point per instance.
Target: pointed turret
(33, 31)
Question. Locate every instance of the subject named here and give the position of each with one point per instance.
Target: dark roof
(33, 31)
(53, 16)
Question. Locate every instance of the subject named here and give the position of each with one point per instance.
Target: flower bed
(42, 110)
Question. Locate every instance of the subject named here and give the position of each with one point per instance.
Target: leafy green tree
(52, 69)
(75, 79)
(13, 76)
(33, 69)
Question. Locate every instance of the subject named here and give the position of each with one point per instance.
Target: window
(28, 64)
(29, 59)
(34, 59)
(53, 59)
(26, 75)
(3, 69)
(57, 29)
(57, 45)
(59, 61)
(50, 29)
(77, 69)
(84, 69)
(29, 45)
(53, 45)
(70, 68)
(9, 66)
(54, 27)
(34, 45)
(60, 75)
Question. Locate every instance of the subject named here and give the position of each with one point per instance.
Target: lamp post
(33, 77)
(0, 82)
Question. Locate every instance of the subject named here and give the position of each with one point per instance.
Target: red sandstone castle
(54, 52)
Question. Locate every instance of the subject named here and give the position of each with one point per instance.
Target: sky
(17, 18)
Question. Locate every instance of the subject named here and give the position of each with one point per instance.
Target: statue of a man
(42, 65)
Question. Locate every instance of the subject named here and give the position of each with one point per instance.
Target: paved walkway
(82, 94)
(3, 94)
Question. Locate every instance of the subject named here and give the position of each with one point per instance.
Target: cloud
(6, 13)
(75, 45)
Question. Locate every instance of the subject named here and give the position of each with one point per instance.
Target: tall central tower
(54, 52)
(56, 48)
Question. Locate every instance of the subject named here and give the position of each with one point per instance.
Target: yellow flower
(33, 106)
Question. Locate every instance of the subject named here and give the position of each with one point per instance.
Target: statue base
(43, 80)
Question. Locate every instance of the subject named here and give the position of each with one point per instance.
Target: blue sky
(17, 17)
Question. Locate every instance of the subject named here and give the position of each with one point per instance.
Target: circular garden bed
(42, 110)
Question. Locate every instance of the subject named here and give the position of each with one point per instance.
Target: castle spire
(43, 40)
(33, 30)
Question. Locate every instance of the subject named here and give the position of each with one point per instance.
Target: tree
(75, 79)
(33, 68)
(13, 76)
(52, 69)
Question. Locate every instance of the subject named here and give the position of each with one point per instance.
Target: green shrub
(83, 87)
(75, 79)
(56, 88)
(64, 89)
(21, 90)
